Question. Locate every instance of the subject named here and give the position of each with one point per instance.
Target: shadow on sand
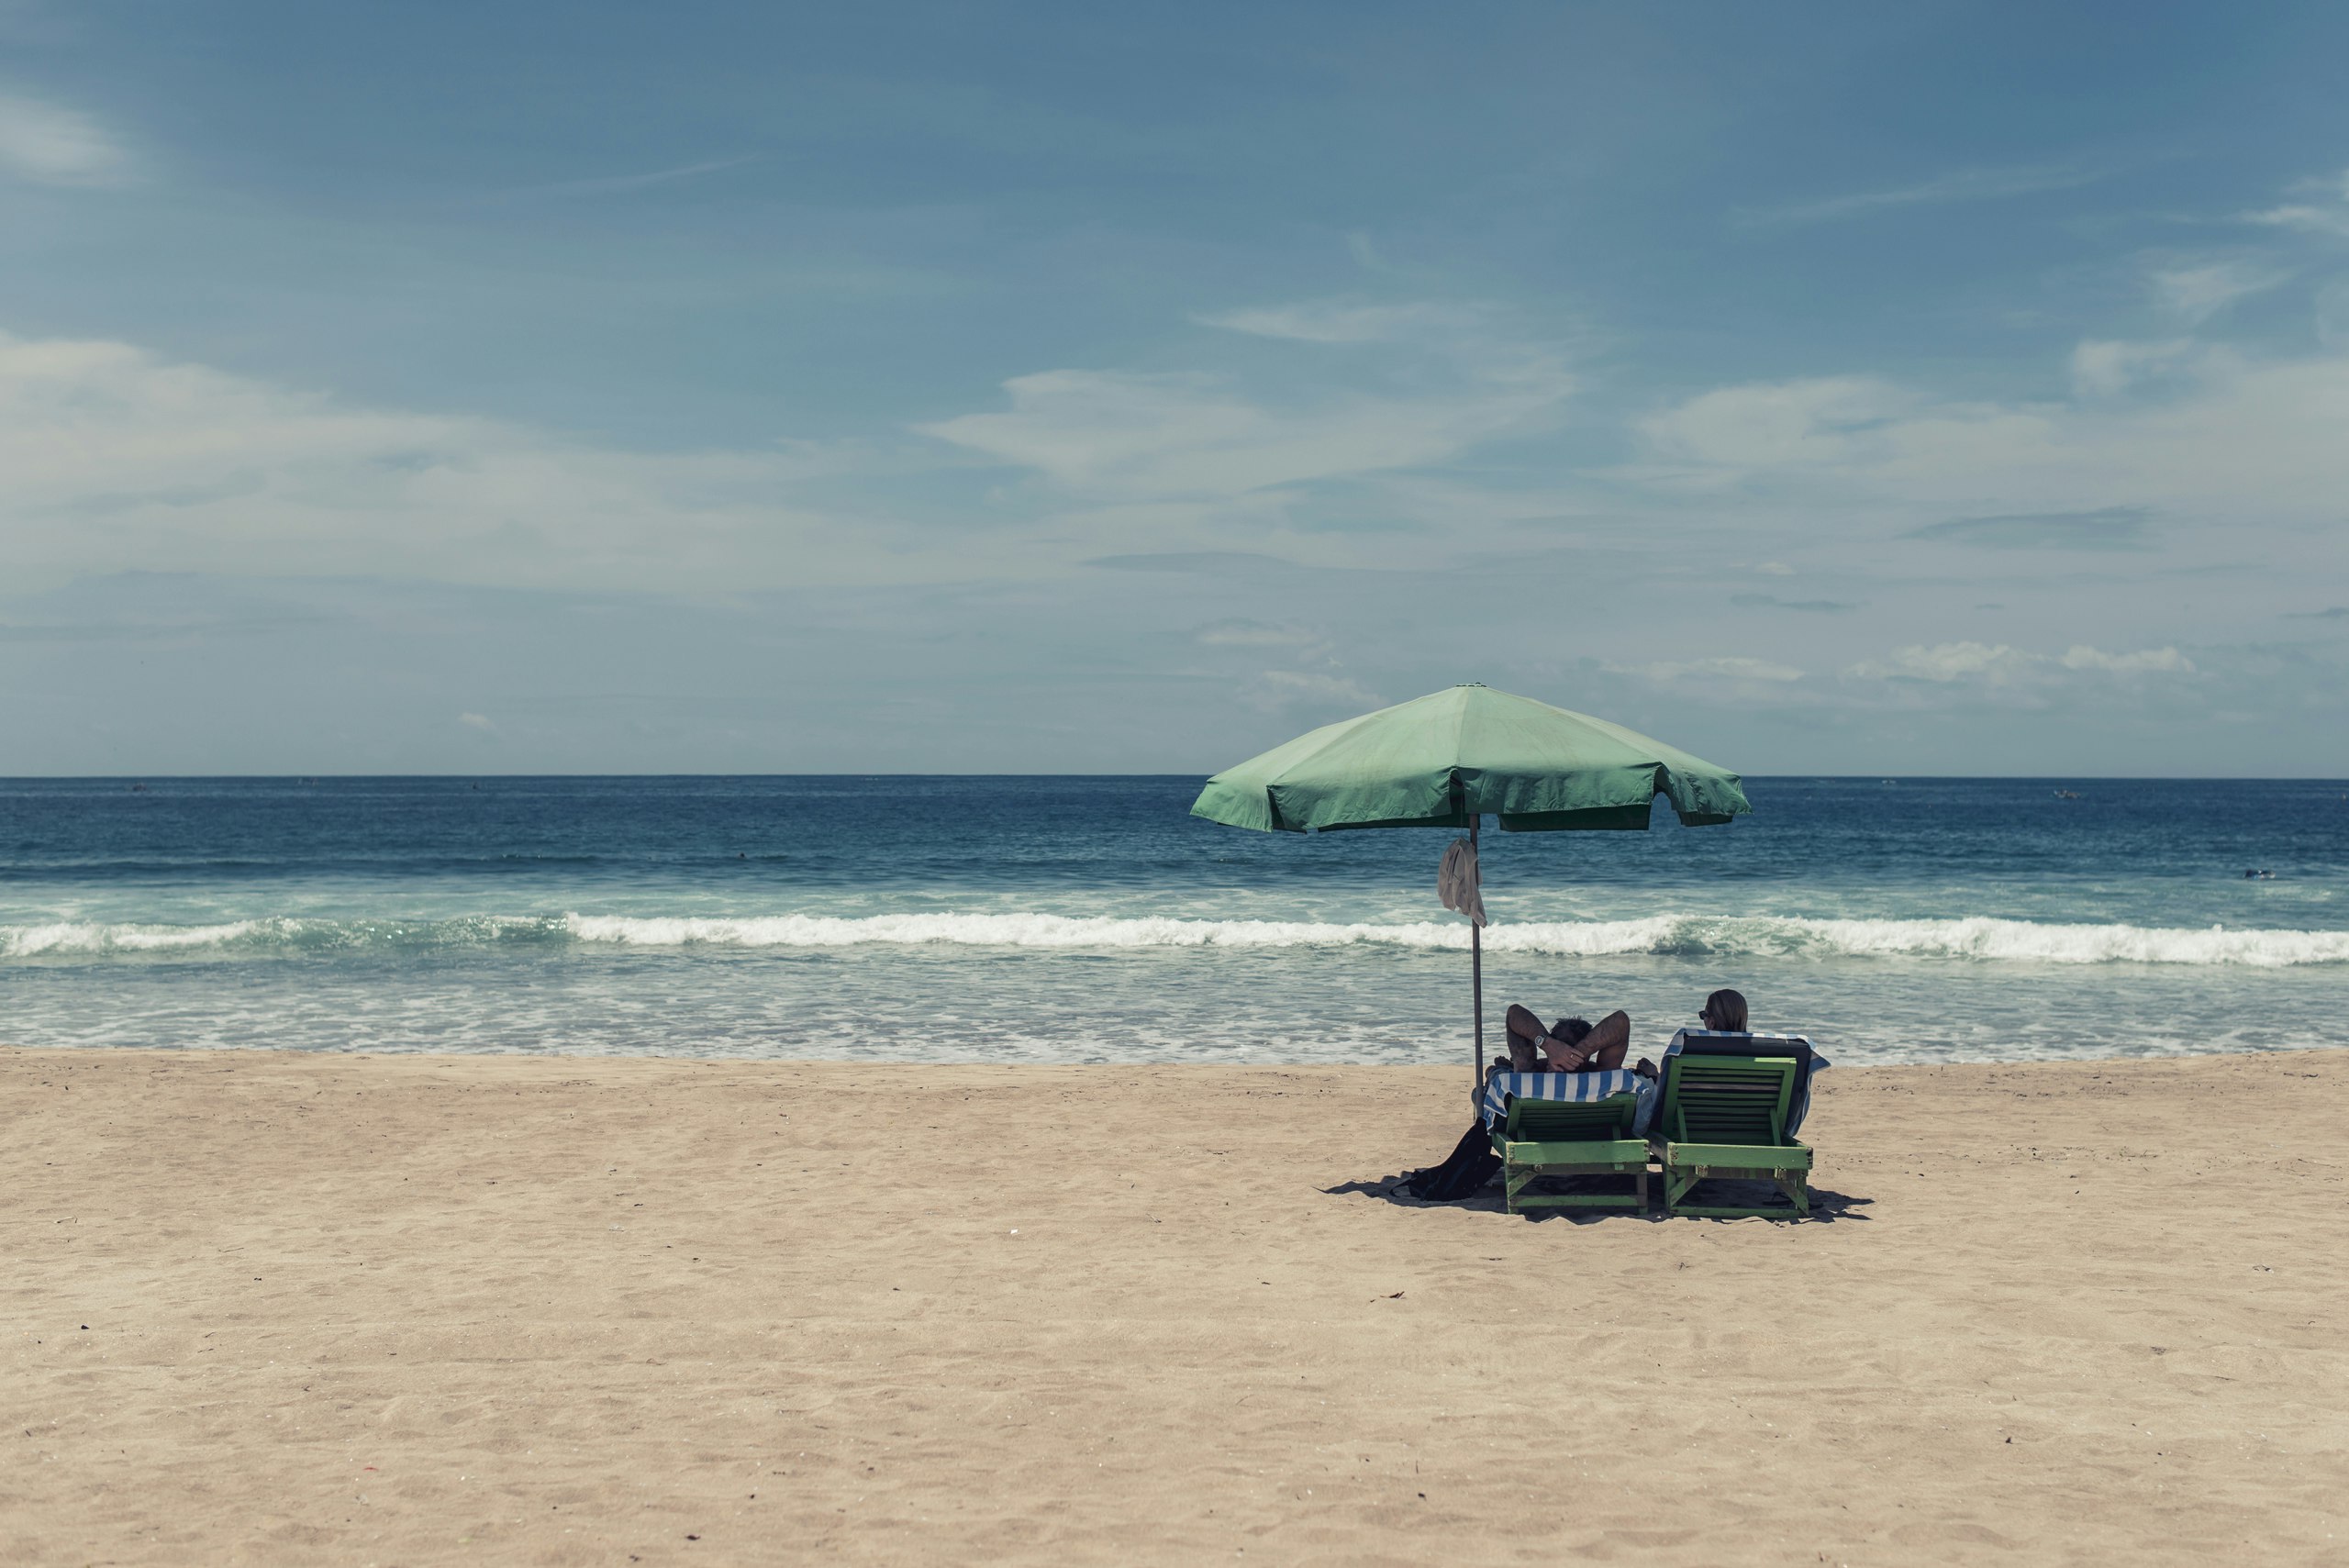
(1826, 1207)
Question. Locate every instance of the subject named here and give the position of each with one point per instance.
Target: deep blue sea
(1094, 919)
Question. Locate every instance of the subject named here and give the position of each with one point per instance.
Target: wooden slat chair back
(1569, 1121)
(1568, 1137)
(1726, 1117)
(1724, 1099)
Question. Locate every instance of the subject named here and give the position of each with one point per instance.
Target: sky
(500, 387)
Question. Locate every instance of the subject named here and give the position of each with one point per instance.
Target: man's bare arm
(1603, 1046)
(1606, 1044)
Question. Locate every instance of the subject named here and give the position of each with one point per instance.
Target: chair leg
(1795, 1184)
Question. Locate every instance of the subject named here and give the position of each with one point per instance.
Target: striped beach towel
(1577, 1086)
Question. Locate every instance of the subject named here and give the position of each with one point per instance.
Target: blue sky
(519, 387)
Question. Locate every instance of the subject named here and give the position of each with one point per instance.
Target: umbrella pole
(1477, 967)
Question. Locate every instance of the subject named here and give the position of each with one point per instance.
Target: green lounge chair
(1726, 1116)
(1567, 1138)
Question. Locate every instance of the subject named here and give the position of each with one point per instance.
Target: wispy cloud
(48, 145)
(611, 184)
(1131, 435)
(2109, 367)
(2107, 527)
(2001, 665)
(1772, 602)
(1818, 420)
(2256, 442)
(1112, 432)
(1202, 562)
(113, 454)
(2198, 290)
(2145, 661)
(1342, 322)
(1241, 633)
(1280, 690)
(1964, 185)
(1710, 670)
(2327, 213)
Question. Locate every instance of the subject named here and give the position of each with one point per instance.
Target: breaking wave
(1696, 935)
(279, 935)
(1981, 938)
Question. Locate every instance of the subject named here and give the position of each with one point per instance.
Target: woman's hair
(1725, 1010)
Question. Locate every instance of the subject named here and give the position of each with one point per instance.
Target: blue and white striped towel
(1577, 1086)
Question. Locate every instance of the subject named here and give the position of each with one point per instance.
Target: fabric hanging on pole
(1458, 885)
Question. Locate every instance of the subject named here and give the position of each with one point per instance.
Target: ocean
(1094, 919)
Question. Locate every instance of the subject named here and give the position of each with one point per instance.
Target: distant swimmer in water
(2259, 876)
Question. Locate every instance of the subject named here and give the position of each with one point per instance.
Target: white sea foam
(1980, 938)
(71, 938)
(1691, 935)
(65, 937)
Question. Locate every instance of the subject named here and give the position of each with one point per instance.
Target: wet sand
(270, 1307)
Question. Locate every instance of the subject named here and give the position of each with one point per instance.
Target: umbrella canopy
(1447, 759)
(1444, 759)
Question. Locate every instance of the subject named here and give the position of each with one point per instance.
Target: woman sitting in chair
(1724, 1011)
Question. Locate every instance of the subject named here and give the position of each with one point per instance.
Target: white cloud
(115, 457)
(2252, 442)
(2332, 315)
(1239, 633)
(1964, 185)
(1820, 421)
(53, 146)
(1997, 664)
(1121, 434)
(1275, 690)
(475, 721)
(2109, 369)
(1340, 321)
(1182, 437)
(2329, 214)
(1710, 670)
(2105, 527)
(2001, 665)
(614, 184)
(2151, 660)
(2200, 290)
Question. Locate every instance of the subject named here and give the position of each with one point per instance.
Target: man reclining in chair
(1571, 1045)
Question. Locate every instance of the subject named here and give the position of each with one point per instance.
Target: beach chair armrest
(1737, 1156)
(1578, 1151)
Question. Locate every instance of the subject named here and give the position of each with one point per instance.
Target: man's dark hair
(1571, 1031)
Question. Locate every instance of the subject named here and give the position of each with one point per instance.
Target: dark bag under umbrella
(1470, 1165)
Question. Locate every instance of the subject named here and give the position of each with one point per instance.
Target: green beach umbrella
(1449, 759)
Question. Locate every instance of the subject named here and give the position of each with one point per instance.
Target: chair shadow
(1827, 1207)
(1488, 1199)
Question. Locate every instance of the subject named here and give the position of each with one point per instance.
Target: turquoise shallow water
(1092, 918)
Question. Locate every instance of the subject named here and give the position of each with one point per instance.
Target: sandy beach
(280, 1307)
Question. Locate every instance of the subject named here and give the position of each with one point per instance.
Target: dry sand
(284, 1309)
